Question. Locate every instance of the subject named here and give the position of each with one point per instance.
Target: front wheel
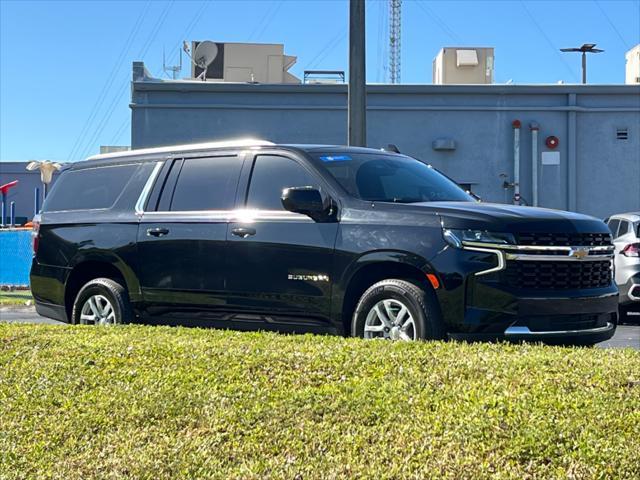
(398, 310)
(102, 301)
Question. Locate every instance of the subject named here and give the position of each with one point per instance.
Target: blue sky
(65, 65)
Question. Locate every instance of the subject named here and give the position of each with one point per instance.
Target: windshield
(390, 178)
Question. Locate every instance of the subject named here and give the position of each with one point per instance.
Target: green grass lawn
(16, 297)
(154, 403)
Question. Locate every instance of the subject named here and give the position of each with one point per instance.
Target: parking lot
(627, 336)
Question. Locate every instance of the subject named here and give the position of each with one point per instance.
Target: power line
(613, 25)
(194, 21)
(121, 129)
(551, 44)
(329, 46)
(438, 21)
(143, 51)
(268, 22)
(264, 22)
(110, 79)
(197, 16)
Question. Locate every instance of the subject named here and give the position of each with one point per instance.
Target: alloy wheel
(97, 310)
(390, 319)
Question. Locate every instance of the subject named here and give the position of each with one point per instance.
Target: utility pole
(586, 48)
(357, 114)
(395, 30)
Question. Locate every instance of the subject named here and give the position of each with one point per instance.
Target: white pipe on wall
(535, 128)
(516, 162)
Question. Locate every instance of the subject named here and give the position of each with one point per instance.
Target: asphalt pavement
(626, 335)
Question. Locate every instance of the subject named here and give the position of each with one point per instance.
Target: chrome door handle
(243, 232)
(157, 232)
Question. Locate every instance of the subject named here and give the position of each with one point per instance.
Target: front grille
(564, 239)
(557, 275)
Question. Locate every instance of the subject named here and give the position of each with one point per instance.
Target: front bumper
(513, 316)
(489, 307)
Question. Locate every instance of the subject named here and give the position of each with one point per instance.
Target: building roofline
(493, 89)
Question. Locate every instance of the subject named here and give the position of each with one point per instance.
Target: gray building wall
(23, 193)
(598, 174)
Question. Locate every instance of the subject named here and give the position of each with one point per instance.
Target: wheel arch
(85, 268)
(369, 269)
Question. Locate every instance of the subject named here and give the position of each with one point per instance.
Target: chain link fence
(15, 257)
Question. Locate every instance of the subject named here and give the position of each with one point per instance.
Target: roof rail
(243, 142)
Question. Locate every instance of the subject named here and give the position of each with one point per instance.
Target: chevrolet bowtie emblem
(579, 253)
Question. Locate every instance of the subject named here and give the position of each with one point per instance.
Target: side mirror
(305, 200)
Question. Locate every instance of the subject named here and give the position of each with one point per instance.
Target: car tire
(380, 312)
(623, 315)
(102, 301)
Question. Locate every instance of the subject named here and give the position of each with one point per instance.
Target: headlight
(458, 238)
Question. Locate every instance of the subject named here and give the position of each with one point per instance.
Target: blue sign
(335, 158)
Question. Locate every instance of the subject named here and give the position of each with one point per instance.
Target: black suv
(248, 234)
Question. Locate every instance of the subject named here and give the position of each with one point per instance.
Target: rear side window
(613, 226)
(206, 184)
(624, 228)
(272, 174)
(89, 188)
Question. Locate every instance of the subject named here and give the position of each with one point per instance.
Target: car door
(182, 235)
(280, 262)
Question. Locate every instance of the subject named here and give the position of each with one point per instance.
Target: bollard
(12, 221)
(36, 202)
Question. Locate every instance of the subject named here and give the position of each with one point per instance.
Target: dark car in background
(354, 241)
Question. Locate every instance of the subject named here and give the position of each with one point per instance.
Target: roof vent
(622, 133)
(466, 58)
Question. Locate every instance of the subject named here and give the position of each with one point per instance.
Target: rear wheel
(396, 309)
(102, 301)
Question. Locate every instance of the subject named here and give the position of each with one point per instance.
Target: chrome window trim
(235, 216)
(498, 253)
(522, 330)
(139, 208)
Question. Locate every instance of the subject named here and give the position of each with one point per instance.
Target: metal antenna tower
(174, 69)
(395, 30)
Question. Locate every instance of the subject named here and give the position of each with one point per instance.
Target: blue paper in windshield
(335, 158)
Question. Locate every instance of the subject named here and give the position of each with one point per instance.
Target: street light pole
(357, 96)
(586, 48)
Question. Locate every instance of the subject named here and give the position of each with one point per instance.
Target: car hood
(506, 218)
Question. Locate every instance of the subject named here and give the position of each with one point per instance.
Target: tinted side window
(89, 188)
(613, 226)
(272, 174)
(624, 228)
(206, 184)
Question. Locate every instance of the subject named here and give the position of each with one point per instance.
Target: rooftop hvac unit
(242, 62)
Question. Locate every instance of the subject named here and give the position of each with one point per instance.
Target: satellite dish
(204, 54)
